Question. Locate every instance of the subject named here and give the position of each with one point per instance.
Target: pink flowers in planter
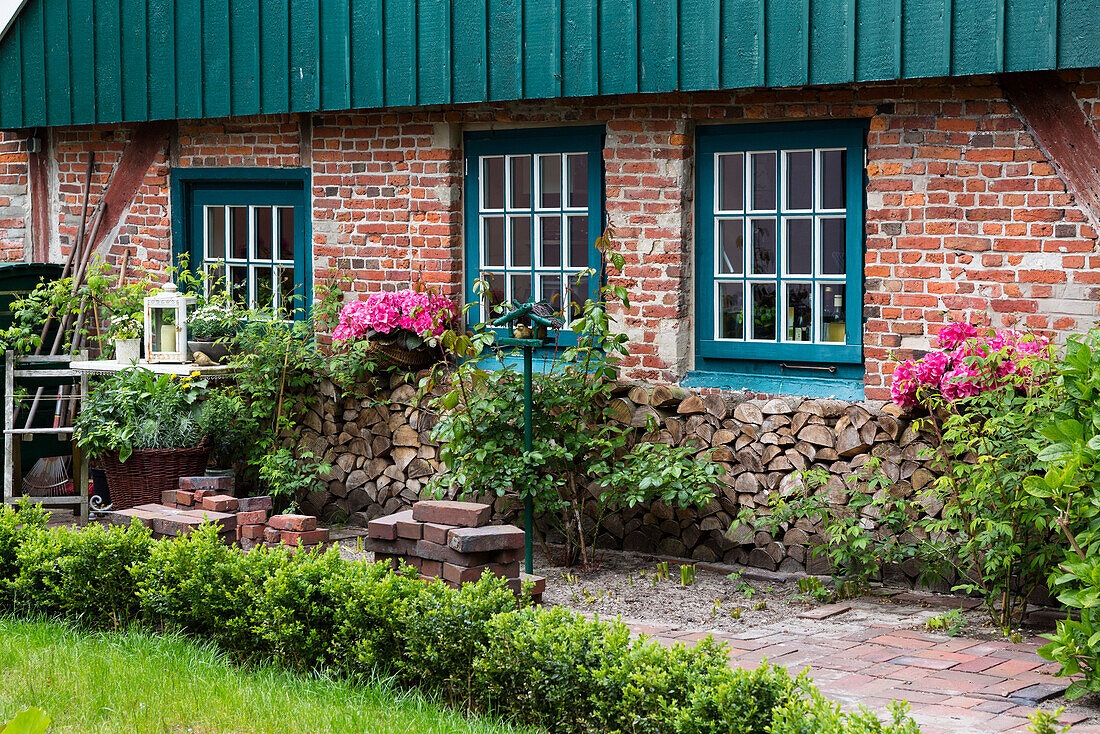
(968, 363)
(424, 314)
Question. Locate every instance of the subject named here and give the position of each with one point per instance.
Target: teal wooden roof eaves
(66, 62)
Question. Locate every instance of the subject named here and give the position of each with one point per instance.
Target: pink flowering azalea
(424, 314)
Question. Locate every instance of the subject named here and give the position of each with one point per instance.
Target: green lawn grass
(138, 683)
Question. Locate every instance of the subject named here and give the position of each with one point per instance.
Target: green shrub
(81, 574)
(369, 636)
(444, 630)
(301, 603)
(198, 584)
(542, 666)
(471, 646)
(16, 524)
(812, 713)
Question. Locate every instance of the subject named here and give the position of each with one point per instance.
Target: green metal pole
(528, 441)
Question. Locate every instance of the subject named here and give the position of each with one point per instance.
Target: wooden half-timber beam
(1064, 134)
(39, 195)
(148, 140)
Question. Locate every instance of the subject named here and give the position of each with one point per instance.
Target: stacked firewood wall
(383, 456)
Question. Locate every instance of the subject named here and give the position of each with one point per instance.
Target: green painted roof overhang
(65, 62)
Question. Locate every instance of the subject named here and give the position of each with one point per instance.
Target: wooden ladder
(22, 367)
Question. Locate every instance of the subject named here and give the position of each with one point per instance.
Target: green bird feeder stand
(542, 325)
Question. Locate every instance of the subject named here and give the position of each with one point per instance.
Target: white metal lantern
(166, 325)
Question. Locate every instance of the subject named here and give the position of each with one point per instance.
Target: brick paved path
(861, 656)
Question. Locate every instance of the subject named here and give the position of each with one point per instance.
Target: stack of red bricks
(452, 541)
(245, 520)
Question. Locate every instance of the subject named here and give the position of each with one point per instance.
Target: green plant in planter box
(581, 465)
(137, 409)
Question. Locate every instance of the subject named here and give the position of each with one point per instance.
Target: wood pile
(382, 455)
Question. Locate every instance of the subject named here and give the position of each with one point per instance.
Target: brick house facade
(965, 215)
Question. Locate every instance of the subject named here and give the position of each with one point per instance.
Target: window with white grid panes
(780, 234)
(251, 248)
(779, 243)
(534, 227)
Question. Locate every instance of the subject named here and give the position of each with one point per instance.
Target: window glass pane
(832, 312)
(263, 232)
(832, 246)
(731, 316)
(578, 241)
(265, 292)
(833, 193)
(578, 180)
(763, 246)
(239, 218)
(215, 232)
(215, 275)
(238, 284)
(731, 182)
(492, 238)
(286, 233)
(799, 246)
(550, 291)
(521, 288)
(289, 297)
(550, 241)
(731, 246)
(521, 241)
(799, 312)
(763, 311)
(578, 294)
(763, 181)
(519, 182)
(492, 183)
(550, 181)
(800, 179)
(496, 293)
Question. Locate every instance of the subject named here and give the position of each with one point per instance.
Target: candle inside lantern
(167, 337)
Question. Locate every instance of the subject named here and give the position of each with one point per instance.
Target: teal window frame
(815, 360)
(533, 142)
(194, 188)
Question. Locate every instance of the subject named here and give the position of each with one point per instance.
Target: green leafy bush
(471, 646)
(200, 585)
(17, 526)
(81, 574)
(581, 464)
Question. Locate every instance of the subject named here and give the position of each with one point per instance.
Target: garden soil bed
(728, 599)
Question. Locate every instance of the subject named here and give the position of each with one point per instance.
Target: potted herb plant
(126, 330)
(144, 429)
(212, 328)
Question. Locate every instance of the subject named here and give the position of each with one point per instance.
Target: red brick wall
(386, 200)
(14, 202)
(966, 220)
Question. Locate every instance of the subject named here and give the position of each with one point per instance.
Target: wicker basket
(388, 354)
(149, 472)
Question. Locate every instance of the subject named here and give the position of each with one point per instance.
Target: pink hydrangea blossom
(929, 371)
(904, 387)
(953, 335)
(969, 363)
(424, 314)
